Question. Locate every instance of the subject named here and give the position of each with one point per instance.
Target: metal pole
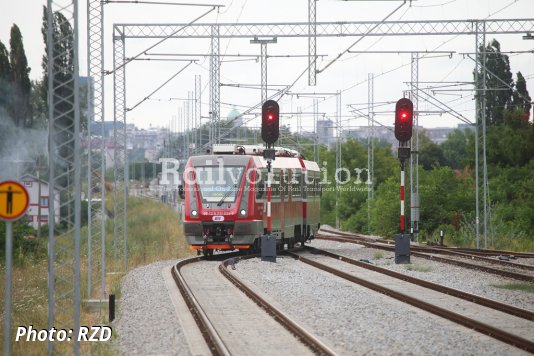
(414, 159)
(479, 39)
(77, 184)
(263, 72)
(7, 319)
(315, 114)
(39, 199)
(370, 145)
(402, 197)
(338, 151)
(198, 107)
(484, 162)
(51, 172)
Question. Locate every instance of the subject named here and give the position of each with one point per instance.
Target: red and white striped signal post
(402, 198)
(403, 133)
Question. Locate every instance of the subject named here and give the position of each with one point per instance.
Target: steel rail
(304, 336)
(513, 275)
(446, 251)
(212, 338)
(506, 308)
(441, 248)
(489, 330)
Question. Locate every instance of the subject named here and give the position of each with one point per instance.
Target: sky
(349, 74)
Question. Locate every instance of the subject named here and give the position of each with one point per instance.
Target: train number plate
(218, 218)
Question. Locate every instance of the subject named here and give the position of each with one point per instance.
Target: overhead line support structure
(215, 88)
(96, 231)
(64, 171)
(120, 156)
(263, 58)
(217, 31)
(312, 42)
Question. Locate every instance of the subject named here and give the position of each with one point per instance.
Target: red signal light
(270, 117)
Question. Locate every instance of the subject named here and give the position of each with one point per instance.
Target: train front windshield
(219, 184)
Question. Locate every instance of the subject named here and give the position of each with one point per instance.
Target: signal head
(270, 125)
(403, 119)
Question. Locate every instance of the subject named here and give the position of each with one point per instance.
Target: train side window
(275, 185)
(295, 186)
(283, 183)
(261, 186)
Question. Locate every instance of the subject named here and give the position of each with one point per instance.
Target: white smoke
(20, 149)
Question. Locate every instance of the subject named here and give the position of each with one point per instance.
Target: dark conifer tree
(521, 98)
(5, 77)
(21, 109)
(499, 82)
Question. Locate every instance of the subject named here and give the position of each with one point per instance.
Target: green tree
(499, 81)
(510, 144)
(430, 154)
(21, 109)
(63, 81)
(521, 98)
(5, 77)
(455, 149)
(38, 105)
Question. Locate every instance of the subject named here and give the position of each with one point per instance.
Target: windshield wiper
(226, 195)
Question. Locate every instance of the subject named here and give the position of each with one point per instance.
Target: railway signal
(270, 130)
(270, 123)
(403, 119)
(403, 133)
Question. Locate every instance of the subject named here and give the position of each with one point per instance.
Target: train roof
(285, 158)
(253, 150)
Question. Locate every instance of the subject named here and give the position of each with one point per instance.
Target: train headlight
(243, 212)
(194, 212)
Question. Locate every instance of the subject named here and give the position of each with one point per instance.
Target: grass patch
(525, 287)
(378, 255)
(417, 268)
(154, 233)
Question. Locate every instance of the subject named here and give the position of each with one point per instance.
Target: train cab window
(217, 184)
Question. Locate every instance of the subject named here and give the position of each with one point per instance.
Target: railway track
(471, 252)
(219, 309)
(506, 323)
(508, 269)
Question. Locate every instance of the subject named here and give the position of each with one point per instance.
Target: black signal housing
(270, 121)
(403, 119)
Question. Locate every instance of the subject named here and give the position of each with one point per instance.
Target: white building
(38, 192)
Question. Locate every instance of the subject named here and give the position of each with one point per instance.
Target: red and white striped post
(269, 197)
(402, 198)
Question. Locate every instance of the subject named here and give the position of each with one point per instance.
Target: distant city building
(325, 132)
(381, 133)
(38, 192)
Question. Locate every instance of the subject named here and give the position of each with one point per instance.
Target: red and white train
(225, 199)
